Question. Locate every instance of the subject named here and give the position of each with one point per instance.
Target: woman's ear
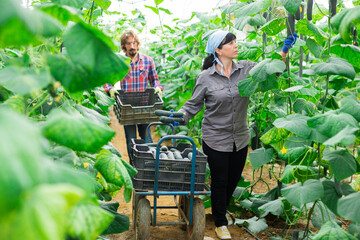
(218, 51)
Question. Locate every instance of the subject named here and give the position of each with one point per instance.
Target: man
(142, 72)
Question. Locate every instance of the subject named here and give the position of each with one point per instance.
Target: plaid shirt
(141, 73)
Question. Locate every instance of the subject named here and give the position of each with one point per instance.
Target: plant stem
(289, 80)
(308, 219)
(326, 92)
(92, 8)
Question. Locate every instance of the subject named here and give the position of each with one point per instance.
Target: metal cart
(191, 211)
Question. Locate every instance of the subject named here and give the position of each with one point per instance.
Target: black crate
(174, 174)
(137, 107)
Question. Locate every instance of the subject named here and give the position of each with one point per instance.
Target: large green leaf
(64, 155)
(351, 105)
(331, 195)
(262, 71)
(261, 156)
(349, 207)
(342, 163)
(301, 104)
(16, 103)
(300, 194)
(63, 14)
(332, 231)
(112, 168)
(309, 29)
(274, 207)
(314, 48)
(275, 135)
(72, 3)
(354, 229)
(351, 18)
(23, 81)
(337, 19)
(247, 87)
(254, 224)
(291, 5)
(87, 221)
(332, 122)
(292, 155)
(335, 66)
(298, 172)
(21, 159)
(120, 223)
(104, 4)
(345, 137)
(348, 52)
(76, 132)
(23, 26)
(43, 213)
(252, 8)
(92, 115)
(274, 27)
(92, 49)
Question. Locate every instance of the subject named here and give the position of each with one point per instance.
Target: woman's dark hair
(209, 60)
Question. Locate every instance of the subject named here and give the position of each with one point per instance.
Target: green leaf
(275, 135)
(298, 172)
(64, 155)
(167, 11)
(253, 224)
(104, 4)
(43, 214)
(154, 9)
(113, 170)
(342, 163)
(351, 105)
(291, 5)
(274, 27)
(158, 2)
(301, 104)
(72, 3)
(331, 123)
(76, 132)
(314, 48)
(262, 71)
(247, 87)
(300, 194)
(16, 103)
(92, 115)
(23, 81)
(91, 49)
(335, 66)
(292, 154)
(252, 8)
(348, 52)
(258, 20)
(21, 159)
(63, 14)
(87, 221)
(354, 229)
(351, 18)
(332, 231)
(349, 206)
(345, 137)
(260, 157)
(306, 28)
(121, 222)
(337, 19)
(274, 207)
(321, 215)
(31, 23)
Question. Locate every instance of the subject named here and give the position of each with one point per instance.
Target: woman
(225, 132)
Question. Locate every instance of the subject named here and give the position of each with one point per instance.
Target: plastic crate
(174, 174)
(137, 107)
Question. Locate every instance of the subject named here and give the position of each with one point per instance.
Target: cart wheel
(196, 231)
(135, 200)
(143, 219)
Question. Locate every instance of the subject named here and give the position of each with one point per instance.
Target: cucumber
(177, 155)
(171, 120)
(309, 10)
(190, 155)
(168, 113)
(298, 13)
(332, 6)
(170, 155)
(163, 156)
(290, 24)
(164, 148)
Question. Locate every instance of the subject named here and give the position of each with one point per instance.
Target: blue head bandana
(214, 41)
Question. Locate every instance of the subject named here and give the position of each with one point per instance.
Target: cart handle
(148, 138)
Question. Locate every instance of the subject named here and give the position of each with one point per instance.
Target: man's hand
(158, 90)
(112, 92)
(289, 42)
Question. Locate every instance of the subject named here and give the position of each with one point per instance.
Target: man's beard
(132, 52)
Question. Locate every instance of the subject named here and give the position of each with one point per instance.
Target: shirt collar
(235, 67)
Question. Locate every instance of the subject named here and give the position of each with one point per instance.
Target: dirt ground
(168, 215)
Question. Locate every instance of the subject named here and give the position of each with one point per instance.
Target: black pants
(130, 132)
(225, 170)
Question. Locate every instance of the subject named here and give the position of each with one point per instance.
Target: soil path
(166, 215)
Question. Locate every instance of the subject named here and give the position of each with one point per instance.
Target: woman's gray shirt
(225, 115)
